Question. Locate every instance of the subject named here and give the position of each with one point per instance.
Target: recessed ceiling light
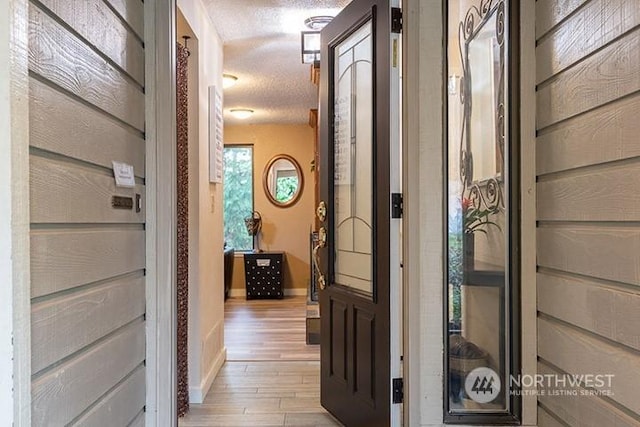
(228, 80)
(241, 113)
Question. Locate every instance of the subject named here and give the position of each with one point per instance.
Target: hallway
(271, 377)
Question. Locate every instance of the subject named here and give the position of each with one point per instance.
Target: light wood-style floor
(271, 377)
(267, 330)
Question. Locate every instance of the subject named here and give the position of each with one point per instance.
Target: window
(482, 337)
(238, 196)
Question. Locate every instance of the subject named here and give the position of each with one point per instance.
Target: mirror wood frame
(265, 184)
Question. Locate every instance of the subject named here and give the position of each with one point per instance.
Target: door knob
(322, 242)
(322, 237)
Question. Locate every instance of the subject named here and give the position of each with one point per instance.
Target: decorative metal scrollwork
(485, 193)
(500, 24)
(500, 128)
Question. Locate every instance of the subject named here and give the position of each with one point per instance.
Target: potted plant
(475, 219)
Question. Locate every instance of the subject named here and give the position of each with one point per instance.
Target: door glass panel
(478, 215)
(353, 167)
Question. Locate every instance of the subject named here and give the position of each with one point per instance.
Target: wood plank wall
(87, 108)
(588, 173)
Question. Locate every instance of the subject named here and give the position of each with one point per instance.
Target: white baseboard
(295, 292)
(197, 394)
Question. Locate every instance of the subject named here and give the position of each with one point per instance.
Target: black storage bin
(263, 273)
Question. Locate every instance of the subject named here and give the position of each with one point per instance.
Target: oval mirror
(282, 180)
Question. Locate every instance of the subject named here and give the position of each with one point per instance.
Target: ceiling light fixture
(311, 39)
(241, 113)
(228, 80)
(316, 23)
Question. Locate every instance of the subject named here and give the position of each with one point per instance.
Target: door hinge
(396, 205)
(398, 390)
(396, 20)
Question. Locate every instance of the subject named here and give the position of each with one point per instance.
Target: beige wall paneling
(56, 55)
(120, 406)
(15, 341)
(594, 194)
(139, 421)
(62, 394)
(61, 123)
(551, 12)
(606, 134)
(62, 260)
(545, 419)
(592, 82)
(583, 410)
(63, 193)
(606, 252)
(597, 307)
(87, 101)
(576, 352)
(132, 12)
(102, 28)
(603, 20)
(588, 210)
(64, 325)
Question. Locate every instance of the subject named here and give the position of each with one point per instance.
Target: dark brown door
(354, 234)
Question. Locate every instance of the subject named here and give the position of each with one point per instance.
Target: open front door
(355, 213)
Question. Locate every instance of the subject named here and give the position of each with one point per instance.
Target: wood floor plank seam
(271, 376)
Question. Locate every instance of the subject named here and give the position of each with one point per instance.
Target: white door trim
(528, 265)
(160, 42)
(15, 309)
(395, 225)
(423, 236)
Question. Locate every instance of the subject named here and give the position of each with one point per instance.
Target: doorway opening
(263, 59)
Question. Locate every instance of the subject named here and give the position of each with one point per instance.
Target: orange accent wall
(283, 229)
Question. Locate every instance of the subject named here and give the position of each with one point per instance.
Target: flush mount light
(241, 113)
(228, 80)
(316, 23)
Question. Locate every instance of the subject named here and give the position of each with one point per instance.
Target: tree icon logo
(482, 385)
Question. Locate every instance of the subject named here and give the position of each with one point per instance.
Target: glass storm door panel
(353, 174)
(481, 333)
(354, 245)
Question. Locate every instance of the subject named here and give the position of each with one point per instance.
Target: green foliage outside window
(238, 196)
(286, 188)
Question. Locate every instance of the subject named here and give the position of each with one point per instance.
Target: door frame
(15, 304)
(161, 155)
(15, 309)
(422, 157)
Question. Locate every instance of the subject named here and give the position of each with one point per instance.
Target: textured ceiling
(262, 48)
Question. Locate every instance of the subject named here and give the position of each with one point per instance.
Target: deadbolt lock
(321, 211)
